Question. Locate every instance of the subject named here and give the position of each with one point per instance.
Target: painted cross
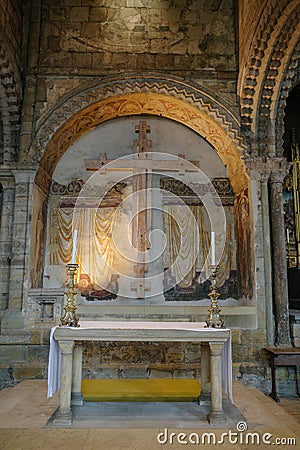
(142, 165)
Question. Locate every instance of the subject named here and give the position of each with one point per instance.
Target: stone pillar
(77, 398)
(267, 257)
(21, 237)
(280, 281)
(13, 322)
(261, 235)
(63, 416)
(216, 416)
(6, 229)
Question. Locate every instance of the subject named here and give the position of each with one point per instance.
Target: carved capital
(277, 177)
(259, 168)
(279, 170)
(216, 348)
(66, 347)
(265, 176)
(265, 168)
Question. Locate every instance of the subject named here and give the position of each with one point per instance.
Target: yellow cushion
(139, 390)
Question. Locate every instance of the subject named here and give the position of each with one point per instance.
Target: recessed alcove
(115, 139)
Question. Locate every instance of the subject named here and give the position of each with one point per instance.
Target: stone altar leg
(63, 416)
(205, 375)
(216, 416)
(77, 398)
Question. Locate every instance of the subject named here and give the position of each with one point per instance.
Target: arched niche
(139, 105)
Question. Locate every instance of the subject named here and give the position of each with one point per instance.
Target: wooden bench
(283, 356)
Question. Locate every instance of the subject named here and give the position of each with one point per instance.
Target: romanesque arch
(272, 60)
(175, 100)
(87, 108)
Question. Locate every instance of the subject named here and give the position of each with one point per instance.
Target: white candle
(287, 236)
(213, 249)
(74, 247)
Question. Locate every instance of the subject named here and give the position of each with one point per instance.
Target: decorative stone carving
(10, 80)
(109, 193)
(223, 137)
(223, 186)
(190, 194)
(291, 78)
(278, 25)
(116, 87)
(74, 187)
(177, 187)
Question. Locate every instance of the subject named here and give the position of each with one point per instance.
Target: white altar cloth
(54, 365)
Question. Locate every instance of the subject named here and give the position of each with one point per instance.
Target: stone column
(216, 416)
(280, 281)
(21, 238)
(77, 398)
(6, 228)
(267, 257)
(63, 416)
(13, 322)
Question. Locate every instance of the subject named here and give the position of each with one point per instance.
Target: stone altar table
(70, 341)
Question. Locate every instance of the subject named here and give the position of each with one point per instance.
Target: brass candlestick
(214, 320)
(69, 319)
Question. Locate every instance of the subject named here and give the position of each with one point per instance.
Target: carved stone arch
(1, 136)
(271, 86)
(263, 68)
(174, 99)
(10, 97)
(290, 80)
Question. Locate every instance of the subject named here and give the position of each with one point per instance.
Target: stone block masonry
(130, 28)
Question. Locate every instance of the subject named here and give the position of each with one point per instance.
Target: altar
(215, 347)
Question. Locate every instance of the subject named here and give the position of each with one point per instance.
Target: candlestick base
(70, 319)
(214, 320)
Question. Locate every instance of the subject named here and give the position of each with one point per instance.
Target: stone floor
(25, 423)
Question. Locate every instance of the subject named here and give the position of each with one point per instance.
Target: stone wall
(88, 38)
(10, 76)
(142, 360)
(11, 28)
(187, 37)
